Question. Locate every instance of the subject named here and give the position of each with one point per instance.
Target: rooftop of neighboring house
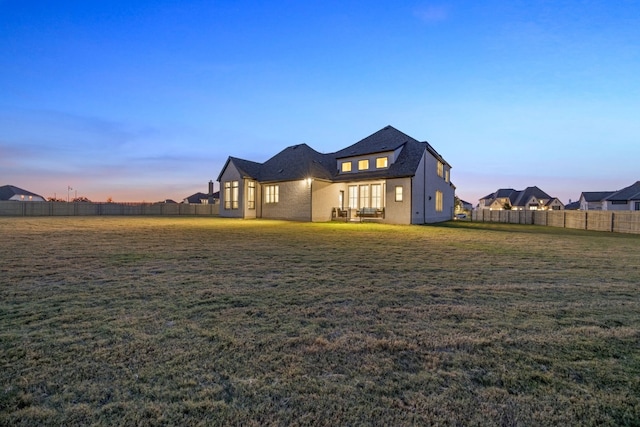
(518, 198)
(631, 192)
(9, 191)
(596, 196)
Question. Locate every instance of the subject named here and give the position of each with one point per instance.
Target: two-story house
(387, 176)
(531, 198)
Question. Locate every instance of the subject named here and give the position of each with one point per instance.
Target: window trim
(399, 196)
(385, 160)
(271, 194)
(251, 195)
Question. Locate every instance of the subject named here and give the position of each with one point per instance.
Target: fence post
(613, 215)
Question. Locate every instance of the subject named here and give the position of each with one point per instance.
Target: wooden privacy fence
(613, 221)
(18, 208)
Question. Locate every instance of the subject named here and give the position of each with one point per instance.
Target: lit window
(353, 196)
(438, 201)
(364, 196)
(272, 194)
(376, 196)
(398, 193)
(363, 164)
(440, 169)
(381, 162)
(251, 195)
(231, 195)
(446, 175)
(346, 167)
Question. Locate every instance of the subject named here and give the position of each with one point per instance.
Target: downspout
(424, 187)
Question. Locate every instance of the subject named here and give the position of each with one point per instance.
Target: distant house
(531, 198)
(10, 192)
(204, 198)
(627, 199)
(593, 200)
(572, 206)
(388, 176)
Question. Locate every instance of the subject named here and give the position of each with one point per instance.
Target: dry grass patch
(164, 321)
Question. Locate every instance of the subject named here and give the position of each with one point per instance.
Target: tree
(81, 199)
(55, 199)
(506, 206)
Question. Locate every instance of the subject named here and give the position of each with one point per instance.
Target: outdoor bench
(370, 213)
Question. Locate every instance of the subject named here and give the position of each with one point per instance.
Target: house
(531, 198)
(199, 198)
(388, 177)
(627, 199)
(593, 200)
(10, 192)
(572, 206)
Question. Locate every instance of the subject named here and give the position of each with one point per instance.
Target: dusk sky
(145, 100)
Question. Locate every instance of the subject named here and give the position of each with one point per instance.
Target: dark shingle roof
(297, 162)
(301, 161)
(631, 192)
(8, 191)
(386, 139)
(529, 192)
(596, 196)
(197, 197)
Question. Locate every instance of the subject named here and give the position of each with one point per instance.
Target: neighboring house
(627, 199)
(531, 198)
(202, 198)
(593, 200)
(10, 192)
(572, 206)
(388, 176)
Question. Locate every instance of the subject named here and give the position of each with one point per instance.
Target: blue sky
(144, 100)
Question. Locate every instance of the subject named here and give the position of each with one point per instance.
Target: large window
(231, 194)
(376, 195)
(438, 201)
(398, 193)
(382, 162)
(251, 195)
(364, 196)
(353, 196)
(363, 164)
(440, 169)
(271, 193)
(346, 167)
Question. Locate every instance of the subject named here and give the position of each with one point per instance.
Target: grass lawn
(206, 321)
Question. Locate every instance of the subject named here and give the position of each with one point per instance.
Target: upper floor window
(440, 169)
(382, 162)
(446, 175)
(272, 194)
(346, 167)
(363, 164)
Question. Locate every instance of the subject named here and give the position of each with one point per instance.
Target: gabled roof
(297, 162)
(386, 139)
(596, 196)
(500, 194)
(8, 191)
(247, 168)
(197, 197)
(631, 192)
(528, 193)
(301, 161)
